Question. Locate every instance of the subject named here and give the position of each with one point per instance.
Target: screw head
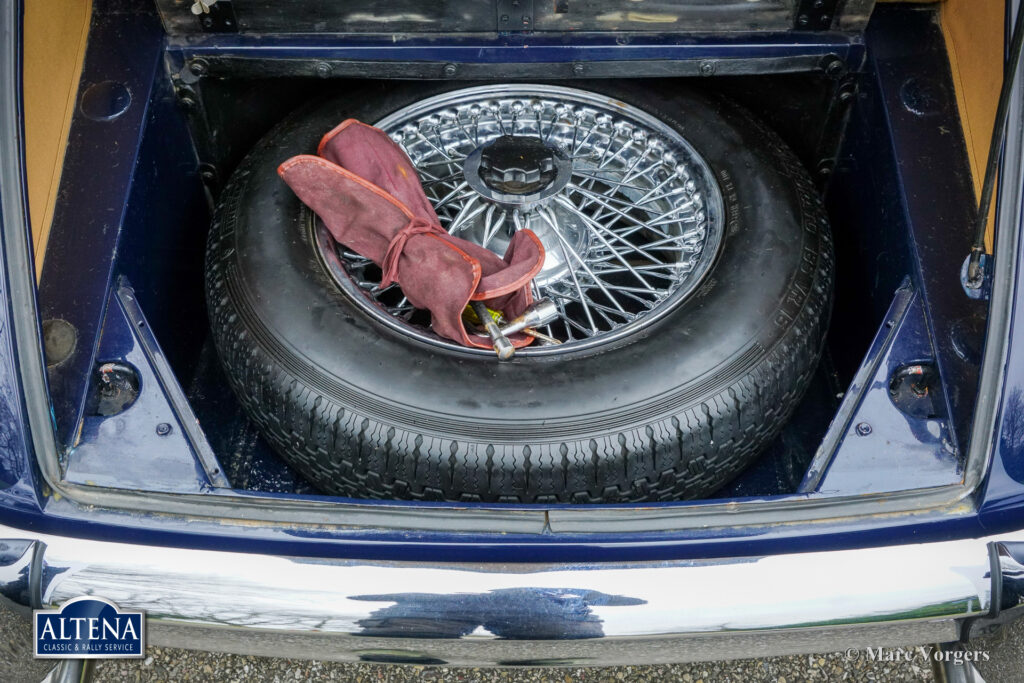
(450, 70)
(199, 67)
(323, 69)
(834, 68)
(863, 429)
(163, 429)
(577, 69)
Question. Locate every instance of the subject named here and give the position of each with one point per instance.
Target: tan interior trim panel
(55, 34)
(974, 32)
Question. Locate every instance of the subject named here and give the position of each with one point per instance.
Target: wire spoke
(622, 214)
(446, 179)
(608, 181)
(600, 308)
(598, 229)
(489, 231)
(467, 213)
(458, 192)
(545, 214)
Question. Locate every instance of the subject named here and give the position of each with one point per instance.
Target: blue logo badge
(88, 628)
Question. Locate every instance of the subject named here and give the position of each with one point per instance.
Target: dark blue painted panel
(18, 474)
(935, 183)
(147, 445)
(879, 447)
(123, 48)
(163, 237)
(63, 518)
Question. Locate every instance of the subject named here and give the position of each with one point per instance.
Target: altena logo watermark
(88, 628)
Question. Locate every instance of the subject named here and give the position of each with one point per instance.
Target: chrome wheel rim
(630, 229)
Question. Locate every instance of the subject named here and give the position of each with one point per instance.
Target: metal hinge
(514, 16)
(815, 15)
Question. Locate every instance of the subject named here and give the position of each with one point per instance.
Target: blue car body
(975, 491)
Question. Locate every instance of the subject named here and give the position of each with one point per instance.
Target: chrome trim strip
(401, 602)
(175, 394)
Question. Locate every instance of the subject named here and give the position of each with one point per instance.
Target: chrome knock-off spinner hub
(517, 171)
(629, 214)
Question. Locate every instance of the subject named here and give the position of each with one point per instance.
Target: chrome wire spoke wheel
(629, 214)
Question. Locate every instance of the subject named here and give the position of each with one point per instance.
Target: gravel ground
(1005, 663)
(16, 662)
(183, 665)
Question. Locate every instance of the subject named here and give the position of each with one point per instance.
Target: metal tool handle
(540, 313)
(502, 346)
(541, 337)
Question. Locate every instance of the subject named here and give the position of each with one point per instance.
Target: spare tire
(664, 399)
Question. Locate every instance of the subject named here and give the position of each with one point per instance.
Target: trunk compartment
(875, 121)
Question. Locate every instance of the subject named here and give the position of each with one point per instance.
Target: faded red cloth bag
(364, 188)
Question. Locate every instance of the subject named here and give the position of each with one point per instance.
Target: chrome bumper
(521, 613)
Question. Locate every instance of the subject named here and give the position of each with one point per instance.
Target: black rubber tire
(674, 411)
